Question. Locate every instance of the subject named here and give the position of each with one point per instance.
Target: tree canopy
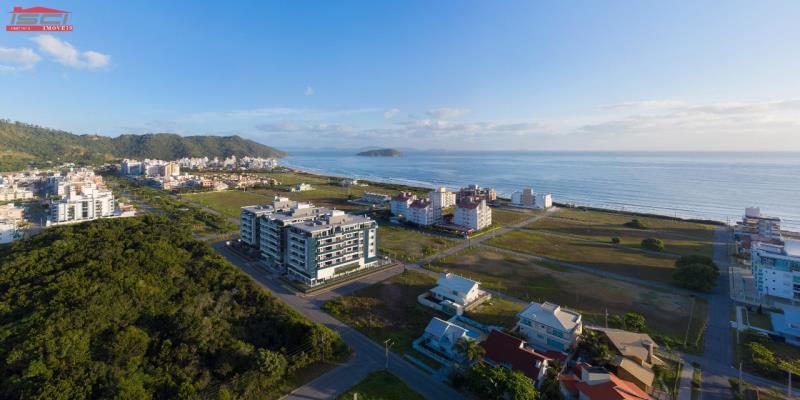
(135, 308)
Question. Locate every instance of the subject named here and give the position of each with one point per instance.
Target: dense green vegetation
(23, 144)
(494, 382)
(696, 272)
(135, 308)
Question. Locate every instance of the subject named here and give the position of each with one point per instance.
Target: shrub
(695, 259)
(699, 277)
(635, 224)
(653, 244)
(615, 240)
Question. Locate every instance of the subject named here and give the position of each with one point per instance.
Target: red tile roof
(614, 389)
(503, 348)
(402, 196)
(421, 203)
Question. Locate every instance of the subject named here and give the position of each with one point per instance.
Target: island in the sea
(381, 153)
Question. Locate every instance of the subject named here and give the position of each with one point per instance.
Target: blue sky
(580, 75)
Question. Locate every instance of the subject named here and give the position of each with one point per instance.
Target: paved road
(368, 356)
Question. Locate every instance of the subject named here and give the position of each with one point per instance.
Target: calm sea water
(696, 185)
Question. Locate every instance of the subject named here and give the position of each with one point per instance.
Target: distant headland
(381, 153)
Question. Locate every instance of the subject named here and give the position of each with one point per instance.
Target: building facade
(88, 204)
(473, 215)
(334, 244)
(274, 231)
(441, 198)
(422, 212)
(776, 268)
(400, 203)
(755, 227)
(476, 193)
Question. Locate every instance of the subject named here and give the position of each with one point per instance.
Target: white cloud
(309, 91)
(645, 105)
(447, 112)
(17, 59)
(66, 54)
(389, 114)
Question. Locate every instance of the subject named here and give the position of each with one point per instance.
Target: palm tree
(470, 349)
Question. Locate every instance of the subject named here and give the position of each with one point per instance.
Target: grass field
(228, 202)
(680, 237)
(598, 255)
(410, 245)
(505, 216)
(667, 313)
(389, 310)
(381, 385)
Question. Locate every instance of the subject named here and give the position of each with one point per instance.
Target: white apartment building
(131, 167)
(441, 198)
(473, 215)
(250, 219)
(89, 204)
(274, 228)
(776, 268)
(528, 199)
(756, 227)
(334, 244)
(400, 203)
(422, 212)
(547, 325)
(15, 193)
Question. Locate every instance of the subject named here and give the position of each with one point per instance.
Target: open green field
(228, 202)
(410, 245)
(381, 385)
(616, 259)
(666, 313)
(680, 237)
(389, 310)
(505, 216)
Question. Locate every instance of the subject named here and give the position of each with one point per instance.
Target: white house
(442, 336)
(528, 199)
(300, 187)
(456, 288)
(399, 204)
(473, 215)
(550, 326)
(441, 198)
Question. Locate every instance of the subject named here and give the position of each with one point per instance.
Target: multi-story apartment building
(776, 268)
(474, 215)
(9, 211)
(329, 246)
(422, 212)
(274, 228)
(475, 193)
(755, 227)
(169, 169)
(528, 199)
(131, 167)
(399, 204)
(441, 198)
(88, 204)
(250, 219)
(8, 231)
(549, 326)
(15, 193)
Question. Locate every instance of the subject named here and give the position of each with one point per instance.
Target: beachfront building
(249, 226)
(511, 352)
(400, 203)
(441, 198)
(274, 230)
(787, 324)
(87, 204)
(549, 326)
(476, 193)
(473, 215)
(374, 198)
(301, 187)
(528, 199)
(776, 268)
(332, 245)
(755, 227)
(422, 212)
(347, 182)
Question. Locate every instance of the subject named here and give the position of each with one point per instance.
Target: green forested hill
(135, 308)
(23, 143)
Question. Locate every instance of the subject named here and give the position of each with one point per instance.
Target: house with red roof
(595, 383)
(511, 352)
(400, 203)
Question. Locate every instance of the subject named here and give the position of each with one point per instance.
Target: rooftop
(456, 282)
(503, 348)
(551, 315)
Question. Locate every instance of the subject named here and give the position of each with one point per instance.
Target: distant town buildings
(310, 244)
(229, 163)
(374, 199)
(755, 227)
(473, 214)
(549, 326)
(301, 187)
(475, 193)
(10, 219)
(527, 198)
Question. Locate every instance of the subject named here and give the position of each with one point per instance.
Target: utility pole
(789, 386)
(741, 380)
(689, 325)
(387, 344)
(606, 318)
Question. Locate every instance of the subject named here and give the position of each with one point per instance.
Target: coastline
(418, 185)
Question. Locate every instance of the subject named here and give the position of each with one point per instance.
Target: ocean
(714, 186)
